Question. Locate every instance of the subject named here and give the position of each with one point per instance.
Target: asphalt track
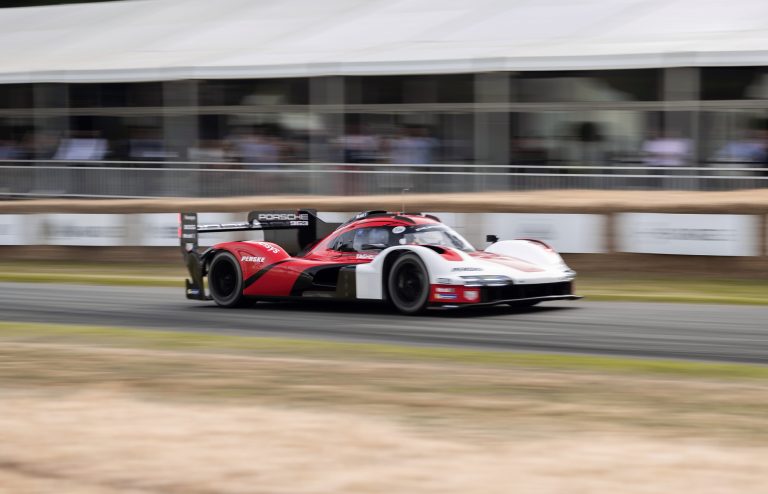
(690, 331)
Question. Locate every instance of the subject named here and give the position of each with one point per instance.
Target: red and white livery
(411, 261)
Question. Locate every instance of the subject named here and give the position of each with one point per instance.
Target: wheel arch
(206, 257)
(401, 282)
(389, 260)
(428, 256)
(229, 298)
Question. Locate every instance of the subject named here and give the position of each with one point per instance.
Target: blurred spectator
(43, 145)
(9, 150)
(321, 145)
(412, 146)
(750, 149)
(216, 156)
(257, 146)
(670, 151)
(26, 146)
(82, 146)
(358, 146)
(147, 144)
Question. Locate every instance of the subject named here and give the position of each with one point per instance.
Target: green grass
(691, 290)
(92, 279)
(633, 287)
(208, 342)
(127, 274)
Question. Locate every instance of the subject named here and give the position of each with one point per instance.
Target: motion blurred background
(181, 97)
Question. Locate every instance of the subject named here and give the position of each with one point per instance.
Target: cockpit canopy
(366, 239)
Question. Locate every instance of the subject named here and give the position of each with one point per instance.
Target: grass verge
(303, 348)
(493, 394)
(688, 290)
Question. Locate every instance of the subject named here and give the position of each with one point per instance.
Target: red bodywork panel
(269, 271)
(280, 279)
(454, 294)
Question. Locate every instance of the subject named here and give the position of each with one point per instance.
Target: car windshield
(435, 235)
(378, 238)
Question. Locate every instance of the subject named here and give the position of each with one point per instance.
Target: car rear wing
(292, 230)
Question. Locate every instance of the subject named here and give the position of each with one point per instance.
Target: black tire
(408, 284)
(225, 280)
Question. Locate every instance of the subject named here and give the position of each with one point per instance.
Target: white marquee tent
(134, 40)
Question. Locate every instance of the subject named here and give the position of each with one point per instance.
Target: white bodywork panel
(533, 252)
(545, 266)
(368, 277)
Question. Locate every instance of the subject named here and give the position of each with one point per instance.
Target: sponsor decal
(471, 295)
(689, 234)
(270, 247)
(252, 259)
(700, 234)
(365, 256)
(398, 229)
(467, 269)
(283, 217)
(446, 296)
(83, 229)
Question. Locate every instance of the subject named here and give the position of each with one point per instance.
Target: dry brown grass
(93, 419)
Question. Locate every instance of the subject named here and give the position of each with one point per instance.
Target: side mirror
(492, 239)
(345, 247)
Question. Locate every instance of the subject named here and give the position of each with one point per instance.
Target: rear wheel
(408, 284)
(225, 280)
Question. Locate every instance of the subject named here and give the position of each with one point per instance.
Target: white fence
(689, 234)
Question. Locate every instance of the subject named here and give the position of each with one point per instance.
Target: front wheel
(225, 280)
(408, 284)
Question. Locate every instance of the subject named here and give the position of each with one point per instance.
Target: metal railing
(35, 178)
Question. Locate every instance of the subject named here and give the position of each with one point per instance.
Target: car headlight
(569, 273)
(486, 280)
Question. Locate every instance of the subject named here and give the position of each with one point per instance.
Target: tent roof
(135, 40)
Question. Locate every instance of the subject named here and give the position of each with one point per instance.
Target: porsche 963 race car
(411, 261)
